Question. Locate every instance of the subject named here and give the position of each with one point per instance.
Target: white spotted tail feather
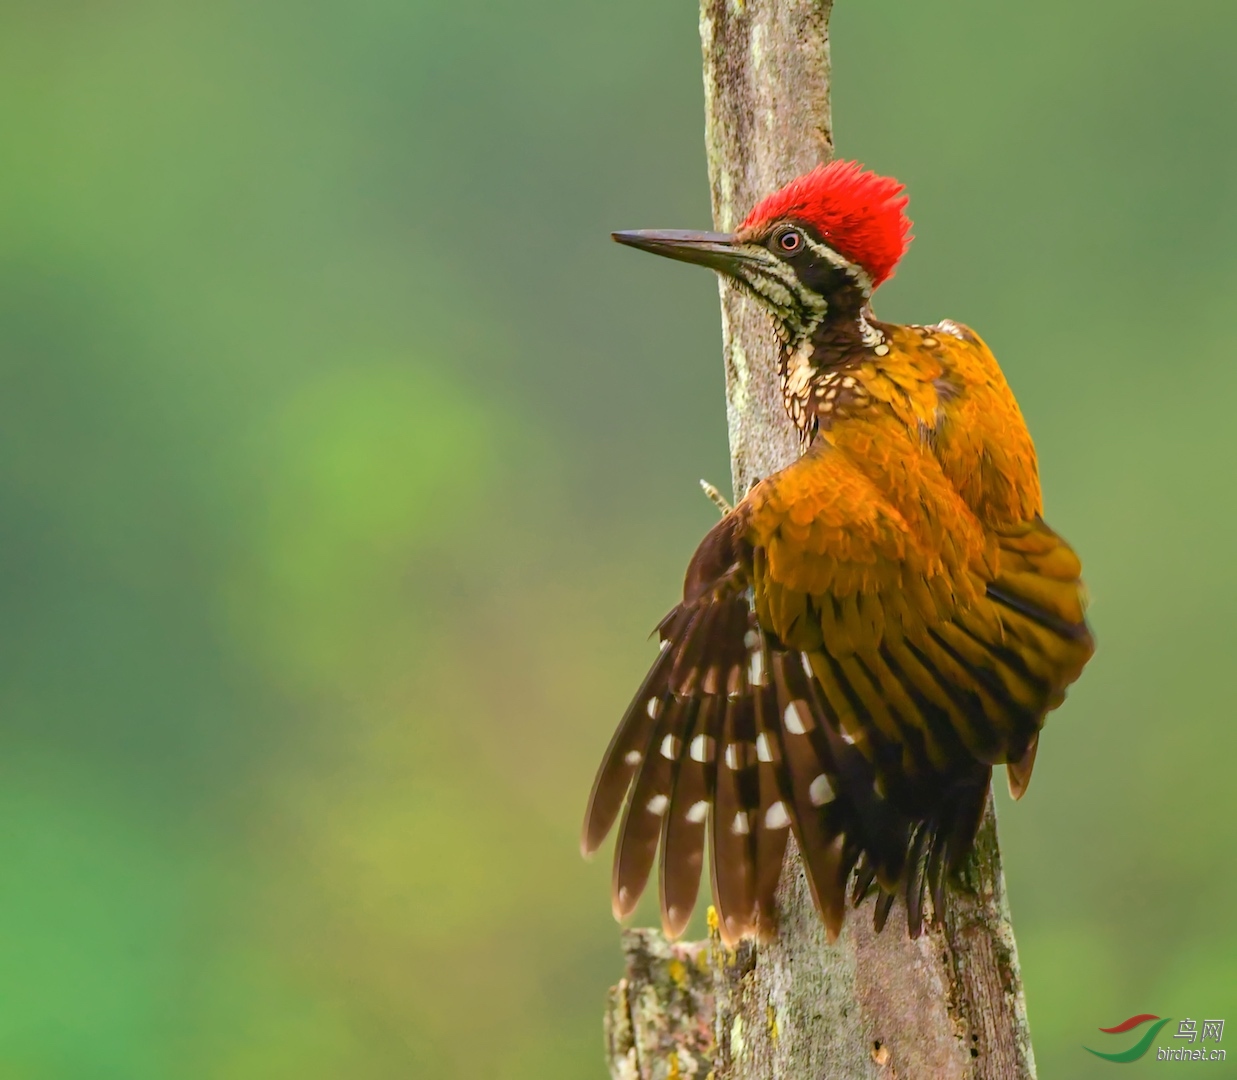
(692, 757)
(728, 736)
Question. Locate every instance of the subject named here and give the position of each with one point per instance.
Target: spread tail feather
(731, 743)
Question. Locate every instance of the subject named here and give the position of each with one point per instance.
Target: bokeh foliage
(344, 465)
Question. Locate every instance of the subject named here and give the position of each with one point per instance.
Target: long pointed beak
(717, 251)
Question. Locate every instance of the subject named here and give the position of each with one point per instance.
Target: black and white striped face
(794, 274)
(800, 277)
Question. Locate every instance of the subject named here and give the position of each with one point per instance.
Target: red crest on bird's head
(859, 214)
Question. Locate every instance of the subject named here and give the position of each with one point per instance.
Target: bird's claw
(716, 498)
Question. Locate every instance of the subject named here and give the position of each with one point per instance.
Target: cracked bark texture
(948, 1006)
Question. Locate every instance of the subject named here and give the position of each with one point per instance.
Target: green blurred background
(345, 465)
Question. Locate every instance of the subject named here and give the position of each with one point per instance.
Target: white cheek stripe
(779, 285)
(858, 274)
(772, 290)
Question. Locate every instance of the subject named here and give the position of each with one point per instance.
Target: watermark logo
(1189, 1031)
(1139, 1048)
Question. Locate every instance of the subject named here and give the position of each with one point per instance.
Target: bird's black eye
(790, 241)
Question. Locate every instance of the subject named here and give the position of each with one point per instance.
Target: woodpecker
(868, 631)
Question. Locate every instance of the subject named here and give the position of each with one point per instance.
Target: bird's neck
(817, 356)
(845, 332)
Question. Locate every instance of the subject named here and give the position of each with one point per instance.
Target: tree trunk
(950, 1004)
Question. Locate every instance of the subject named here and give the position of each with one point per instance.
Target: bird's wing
(937, 636)
(893, 655)
(979, 435)
(691, 755)
(935, 645)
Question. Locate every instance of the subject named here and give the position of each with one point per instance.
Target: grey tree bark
(950, 1004)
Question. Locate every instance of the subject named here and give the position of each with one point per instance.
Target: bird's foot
(716, 498)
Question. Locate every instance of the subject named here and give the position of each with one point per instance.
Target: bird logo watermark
(1188, 1031)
